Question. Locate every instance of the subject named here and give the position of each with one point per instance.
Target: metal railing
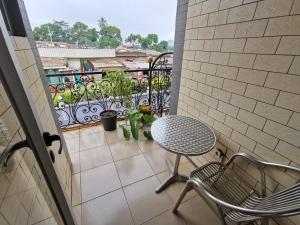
(78, 98)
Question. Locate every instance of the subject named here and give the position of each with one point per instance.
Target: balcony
(237, 70)
(113, 181)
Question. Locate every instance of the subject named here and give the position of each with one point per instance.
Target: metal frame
(175, 176)
(248, 210)
(13, 83)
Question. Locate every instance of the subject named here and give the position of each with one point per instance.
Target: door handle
(10, 151)
(49, 138)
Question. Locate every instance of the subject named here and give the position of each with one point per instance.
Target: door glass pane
(24, 195)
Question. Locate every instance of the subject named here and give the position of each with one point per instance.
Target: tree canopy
(148, 42)
(106, 36)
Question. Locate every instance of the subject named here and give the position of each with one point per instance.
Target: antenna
(50, 34)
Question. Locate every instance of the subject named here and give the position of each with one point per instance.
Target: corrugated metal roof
(106, 63)
(136, 52)
(54, 63)
(136, 65)
(76, 53)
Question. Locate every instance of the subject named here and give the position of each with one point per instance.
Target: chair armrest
(259, 163)
(204, 189)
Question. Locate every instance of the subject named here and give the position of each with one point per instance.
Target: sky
(131, 16)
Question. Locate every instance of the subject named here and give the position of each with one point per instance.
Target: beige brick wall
(241, 76)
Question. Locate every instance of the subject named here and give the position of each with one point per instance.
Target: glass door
(30, 191)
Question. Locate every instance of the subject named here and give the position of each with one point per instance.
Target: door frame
(13, 83)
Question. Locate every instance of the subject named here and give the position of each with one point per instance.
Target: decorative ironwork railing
(78, 97)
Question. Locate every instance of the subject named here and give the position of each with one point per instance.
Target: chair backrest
(283, 203)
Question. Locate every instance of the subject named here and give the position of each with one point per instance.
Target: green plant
(118, 85)
(160, 83)
(134, 118)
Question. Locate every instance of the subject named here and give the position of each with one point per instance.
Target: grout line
(123, 190)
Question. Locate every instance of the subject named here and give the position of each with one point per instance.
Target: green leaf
(148, 135)
(148, 118)
(135, 132)
(126, 132)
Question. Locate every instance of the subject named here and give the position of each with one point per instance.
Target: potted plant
(117, 86)
(134, 118)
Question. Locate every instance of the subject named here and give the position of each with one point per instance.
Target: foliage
(145, 109)
(108, 42)
(160, 83)
(118, 85)
(110, 36)
(148, 135)
(134, 40)
(134, 118)
(107, 36)
(60, 31)
(126, 132)
(162, 46)
(148, 42)
(56, 31)
(71, 97)
(148, 118)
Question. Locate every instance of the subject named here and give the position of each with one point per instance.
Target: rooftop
(76, 53)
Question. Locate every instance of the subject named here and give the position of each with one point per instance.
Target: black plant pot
(109, 119)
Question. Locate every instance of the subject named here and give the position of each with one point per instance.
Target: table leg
(174, 177)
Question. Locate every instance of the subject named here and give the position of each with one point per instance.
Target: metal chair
(235, 200)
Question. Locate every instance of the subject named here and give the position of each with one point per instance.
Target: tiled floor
(114, 181)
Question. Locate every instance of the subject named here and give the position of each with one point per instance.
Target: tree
(110, 36)
(78, 34)
(163, 46)
(149, 41)
(134, 39)
(92, 35)
(108, 42)
(56, 31)
(107, 36)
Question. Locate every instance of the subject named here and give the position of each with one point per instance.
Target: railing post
(150, 60)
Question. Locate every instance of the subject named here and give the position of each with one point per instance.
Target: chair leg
(221, 215)
(188, 187)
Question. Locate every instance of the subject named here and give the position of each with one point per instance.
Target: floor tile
(133, 169)
(124, 149)
(143, 202)
(110, 209)
(92, 140)
(77, 214)
(166, 218)
(71, 134)
(157, 159)
(99, 181)
(75, 162)
(72, 144)
(94, 157)
(196, 212)
(114, 136)
(146, 145)
(175, 189)
(91, 130)
(76, 190)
